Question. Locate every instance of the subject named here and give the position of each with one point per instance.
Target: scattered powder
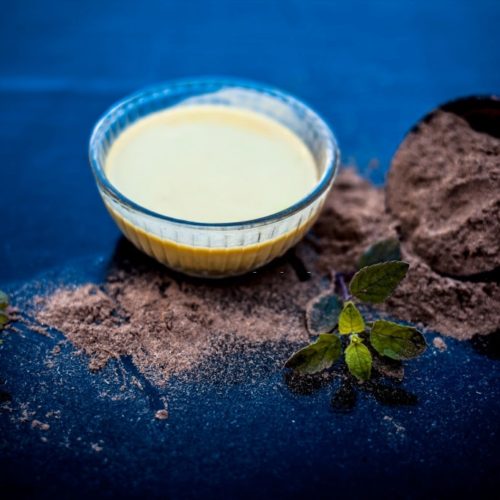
(161, 414)
(26, 413)
(439, 344)
(169, 324)
(96, 447)
(36, 424)
(53, 414)
(400, 429)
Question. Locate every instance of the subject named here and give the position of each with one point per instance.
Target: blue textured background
(372, 69)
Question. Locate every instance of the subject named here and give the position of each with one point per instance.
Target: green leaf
(322, 313)
(4, 319)
(317, 356)
(375, 283)
(4, 300)
(381, 251)
(350, 320)
(358, 359)
(396, 341)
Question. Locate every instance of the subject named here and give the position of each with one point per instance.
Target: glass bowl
(215, 249)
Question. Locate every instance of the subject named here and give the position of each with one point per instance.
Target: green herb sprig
(341, 328)
(4, 313)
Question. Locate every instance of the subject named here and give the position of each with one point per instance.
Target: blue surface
(371, 69)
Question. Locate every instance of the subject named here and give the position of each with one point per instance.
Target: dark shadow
(126, 257)
(492, 276)
(5, 397)
(297, 265)
(386, 367)
(482, 113)
(390, 395)
(151, 392)
(306, 385)
(487, 345)
(344, 400)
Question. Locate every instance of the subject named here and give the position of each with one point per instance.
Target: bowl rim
(116, 110)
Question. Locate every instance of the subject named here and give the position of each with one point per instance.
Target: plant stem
(343, 287)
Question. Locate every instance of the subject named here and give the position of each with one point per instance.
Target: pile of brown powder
(443, 189)
(169, 324)
(459, 309)
(353, 219)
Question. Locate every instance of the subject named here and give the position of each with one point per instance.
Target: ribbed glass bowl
(215, 249)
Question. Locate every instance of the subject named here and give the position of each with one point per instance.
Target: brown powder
(36, 424)
(443, 188)
(444, 192)
(171, 324)
(354, 218)
(460, 309)
(439, 344)
(161, 414)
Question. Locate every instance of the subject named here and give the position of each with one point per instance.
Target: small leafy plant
(341, 328)
(4, 314)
